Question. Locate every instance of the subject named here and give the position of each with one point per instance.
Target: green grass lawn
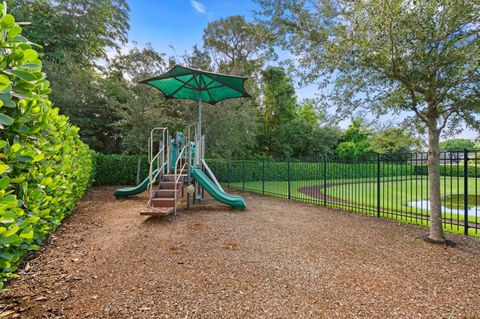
(396, 194)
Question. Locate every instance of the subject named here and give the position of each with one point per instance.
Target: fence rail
(393, 187)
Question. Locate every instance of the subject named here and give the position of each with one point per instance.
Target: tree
(307, 111)
(140, 108)
(457, 145)
(237, 46)
(279, 102)
(394, 140)
(82, 29)
(198, 59)
(354, 141)
(419, 57)
(231, 128)
(83, 95)
(74, 35)
(279, 98)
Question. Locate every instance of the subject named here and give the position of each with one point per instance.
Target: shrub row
(44, 166)
(258, 170)
(118, 169)
(457, 170)
(122, 170)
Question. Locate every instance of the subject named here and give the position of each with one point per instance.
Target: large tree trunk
(436, 230)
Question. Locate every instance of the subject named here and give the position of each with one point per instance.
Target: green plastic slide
(129, 191)
(234, 201)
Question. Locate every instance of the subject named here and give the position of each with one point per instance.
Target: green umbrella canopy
(186, 83)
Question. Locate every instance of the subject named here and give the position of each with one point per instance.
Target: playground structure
(180, 161)
(177, 168)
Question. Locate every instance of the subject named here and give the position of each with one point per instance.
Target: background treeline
(100, 92)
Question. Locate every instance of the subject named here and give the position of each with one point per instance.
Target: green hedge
(44, 166)
(118, 169)
(268, 170)
(451, 170)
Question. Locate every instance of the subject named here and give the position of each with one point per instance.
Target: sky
(175, 26)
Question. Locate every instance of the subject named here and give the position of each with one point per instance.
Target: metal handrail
(175, 178)
(189, 139)
(163, 147)
(151, 183)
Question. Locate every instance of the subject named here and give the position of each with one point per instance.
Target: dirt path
(279, 259)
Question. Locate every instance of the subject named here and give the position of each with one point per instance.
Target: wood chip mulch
(278, 259)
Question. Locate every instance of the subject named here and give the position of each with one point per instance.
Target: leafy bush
(269, 170)
(457, 170)
(44, 166)
(119, 169)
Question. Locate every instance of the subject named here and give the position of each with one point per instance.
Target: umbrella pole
(200, 115)
(199, 131)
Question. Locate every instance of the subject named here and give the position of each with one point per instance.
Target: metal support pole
(139, 164)
(199, 136)
(263, 176)
(324, 181)
(465, 191)
(243, 173)
(378, 185)
(229, 173)
(289, 184)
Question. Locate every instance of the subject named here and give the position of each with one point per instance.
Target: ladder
(166, 178)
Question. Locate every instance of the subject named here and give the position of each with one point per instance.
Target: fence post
(243, 173)
(139, 164)
(324, 181)
(229, 173)
(263, 176)
(378, 185)
(289, 185)
(465, 191)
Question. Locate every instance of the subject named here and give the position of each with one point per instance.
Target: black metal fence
(387, 186)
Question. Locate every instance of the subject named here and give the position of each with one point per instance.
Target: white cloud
(199, 7)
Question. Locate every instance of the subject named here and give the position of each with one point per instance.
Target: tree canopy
(419, 57)
(457, 145)
(77, 28)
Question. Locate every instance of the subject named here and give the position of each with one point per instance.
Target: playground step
(163, 202)
(164, 193)
(171, 177)
(156, 211)
(169, 185)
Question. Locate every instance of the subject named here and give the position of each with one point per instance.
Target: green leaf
(10, 201)
(15, 148)
(4, 182)
(3, 168)
(33, 247)
(14, 31)
(5, 119)
(17, 180)
(38, 157)
(11, 230)
(32, 66)
(3, 144)
(30, 55)
(25, 75)
(27, 233)
(20, 39)
(11, 240)
(4, 82)
(47, 181)
(8, 21)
